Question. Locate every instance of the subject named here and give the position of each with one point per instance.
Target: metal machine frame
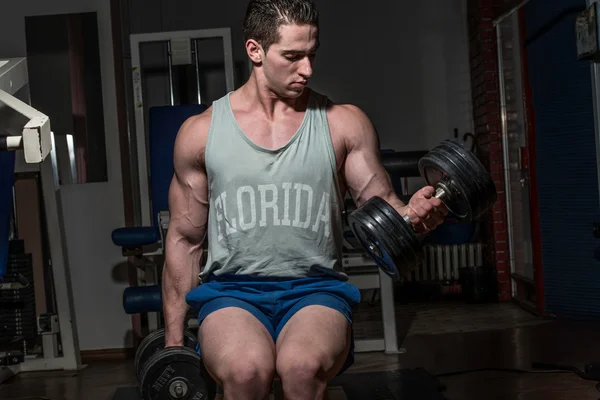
(365, 274)
(36, 141)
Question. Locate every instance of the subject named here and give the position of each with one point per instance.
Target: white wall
(91, 211)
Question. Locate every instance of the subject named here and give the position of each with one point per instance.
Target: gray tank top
(273, 213)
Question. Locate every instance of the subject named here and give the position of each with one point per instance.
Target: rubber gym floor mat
(406, 384)
(126, 393)
(433, 318)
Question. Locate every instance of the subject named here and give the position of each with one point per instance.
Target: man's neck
(256, 95)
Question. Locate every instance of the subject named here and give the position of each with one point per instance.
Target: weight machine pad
(406, 384)
(140, 299)
(136, 236)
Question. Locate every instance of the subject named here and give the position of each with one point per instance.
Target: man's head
(282, 37)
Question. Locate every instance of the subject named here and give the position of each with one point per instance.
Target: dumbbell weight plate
(172, 367)
(385, 236)
(472, 190)
(410, 246)
(405, 238)
(156, 341)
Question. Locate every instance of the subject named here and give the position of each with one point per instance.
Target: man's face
(288, 64)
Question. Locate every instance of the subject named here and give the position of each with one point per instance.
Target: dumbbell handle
(440, 193)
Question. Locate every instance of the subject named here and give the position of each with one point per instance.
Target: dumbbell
(460, 181)
(174, 372)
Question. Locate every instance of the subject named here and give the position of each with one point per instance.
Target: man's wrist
(397, 204)
(174, 338)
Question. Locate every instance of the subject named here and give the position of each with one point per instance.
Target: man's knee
(248, 371)
(238, 352)
(245, 376)
(304, 364)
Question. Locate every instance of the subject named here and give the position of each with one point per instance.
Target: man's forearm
(180, 276)
(395, 202)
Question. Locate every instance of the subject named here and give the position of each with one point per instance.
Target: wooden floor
(447, 351)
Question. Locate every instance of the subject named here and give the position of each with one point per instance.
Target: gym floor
(439, 337)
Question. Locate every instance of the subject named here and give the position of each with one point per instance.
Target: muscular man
(261, 175)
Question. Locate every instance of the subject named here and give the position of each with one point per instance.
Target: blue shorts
(273, 301)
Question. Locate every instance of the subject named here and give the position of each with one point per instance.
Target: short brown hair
(264, 17)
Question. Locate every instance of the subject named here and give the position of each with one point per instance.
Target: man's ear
(255, 51)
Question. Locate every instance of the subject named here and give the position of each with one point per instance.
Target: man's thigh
(317, 333)
(233, 337)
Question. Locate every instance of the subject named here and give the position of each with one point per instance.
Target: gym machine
(26, 132)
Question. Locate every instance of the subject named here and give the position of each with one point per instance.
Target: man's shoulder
(196, 127)
(198, 123)
(190, 143)
(347, 119)
(346, 112)
(339, 112)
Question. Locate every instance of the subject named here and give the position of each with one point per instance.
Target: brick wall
(486, 113)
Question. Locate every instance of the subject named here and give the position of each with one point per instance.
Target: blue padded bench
(163, 124)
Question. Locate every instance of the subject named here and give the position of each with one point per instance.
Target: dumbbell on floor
(171, 373)
(460, 181)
